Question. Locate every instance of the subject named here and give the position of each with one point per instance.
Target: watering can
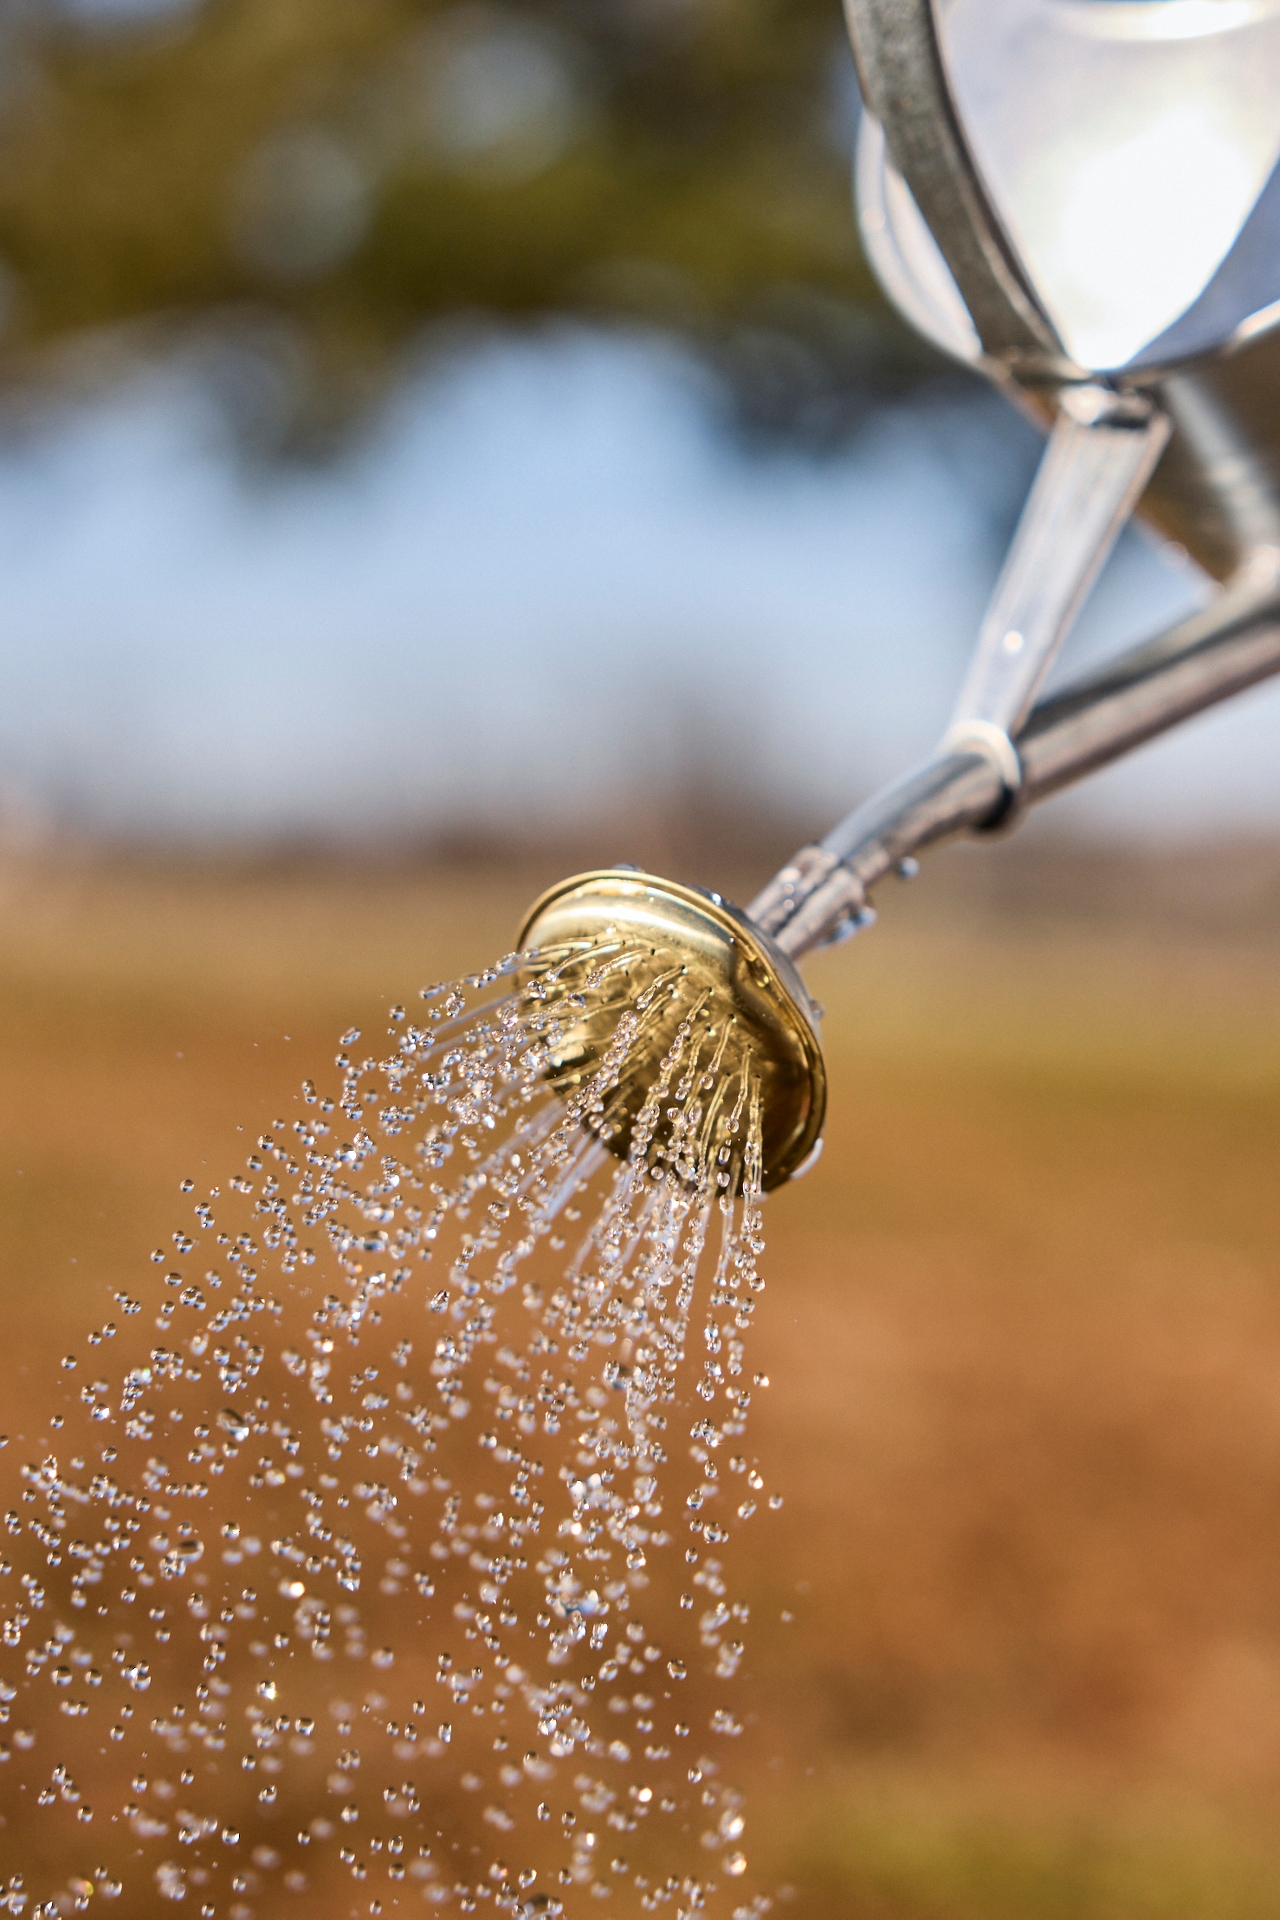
(1081, 199)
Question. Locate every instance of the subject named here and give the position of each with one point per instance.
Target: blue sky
(541, 571)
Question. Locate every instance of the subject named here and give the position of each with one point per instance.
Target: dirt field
(1016, 1633)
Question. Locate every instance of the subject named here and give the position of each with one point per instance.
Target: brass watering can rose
(685, 956)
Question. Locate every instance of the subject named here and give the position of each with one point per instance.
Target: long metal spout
(821, 896)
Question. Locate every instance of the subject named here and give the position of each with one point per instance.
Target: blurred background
(441, 445)
(387, 390)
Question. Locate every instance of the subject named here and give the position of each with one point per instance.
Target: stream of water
(384, 1556)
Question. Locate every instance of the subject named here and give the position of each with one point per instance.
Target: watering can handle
(1101, 453)
(903, 81)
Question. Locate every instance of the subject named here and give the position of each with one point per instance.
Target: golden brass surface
(749, 1010)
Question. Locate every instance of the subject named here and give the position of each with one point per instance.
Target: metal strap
(900, 67)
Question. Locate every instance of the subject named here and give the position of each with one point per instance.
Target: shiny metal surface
(1082, 197)
(748, 1005)
(905, 86)
(1097, 178)
(822, 894)
(1217, 488)
(1231, 646)
(1101, 453)
(1127, 147)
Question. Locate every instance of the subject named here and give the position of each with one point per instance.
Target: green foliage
(361, 172)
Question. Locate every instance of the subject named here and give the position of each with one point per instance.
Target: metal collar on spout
(821, 896)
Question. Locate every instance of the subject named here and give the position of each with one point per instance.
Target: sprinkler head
(752, 1028)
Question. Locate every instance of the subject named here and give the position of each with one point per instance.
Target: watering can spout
(985, 779)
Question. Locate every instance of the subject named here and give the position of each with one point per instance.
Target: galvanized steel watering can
(1081, 198)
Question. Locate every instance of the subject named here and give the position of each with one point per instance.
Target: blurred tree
(349, 175)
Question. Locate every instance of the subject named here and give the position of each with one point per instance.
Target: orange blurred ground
(1016, 1631)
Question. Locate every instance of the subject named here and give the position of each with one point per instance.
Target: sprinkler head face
(687, 957)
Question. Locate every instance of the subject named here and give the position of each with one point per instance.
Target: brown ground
(1022, 1324)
